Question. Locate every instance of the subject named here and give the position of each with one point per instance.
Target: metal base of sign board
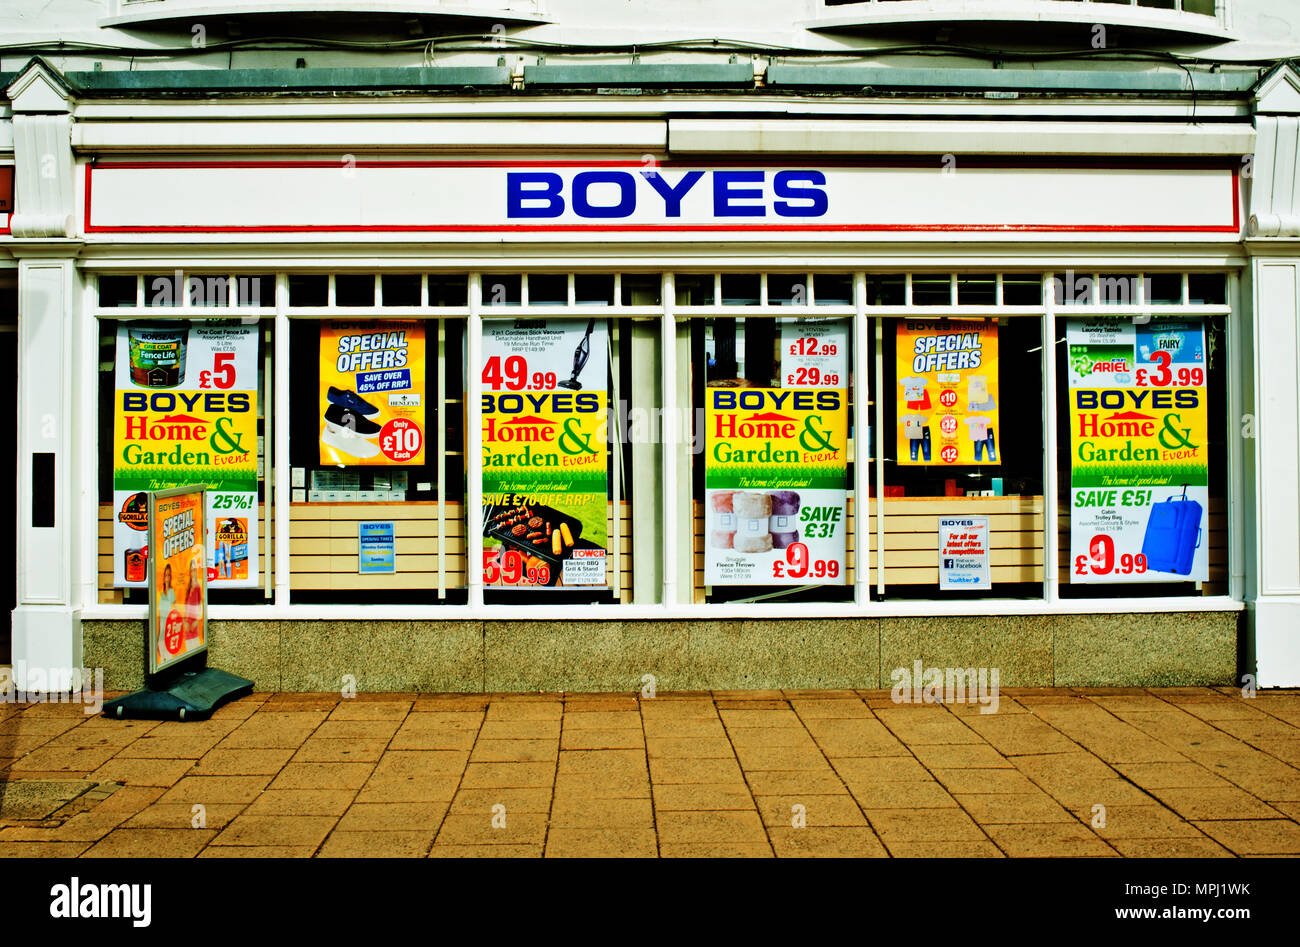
(192, 696)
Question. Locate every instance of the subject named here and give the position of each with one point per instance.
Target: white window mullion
(1051, 535)
(280, 393)
(474, 442)
(671, 441)
(861, 451)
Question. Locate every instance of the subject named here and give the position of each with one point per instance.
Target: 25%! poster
(1139, 473)
(372, 394)
(774, 481)
(947, 395)
(545, 477)
(185, 413)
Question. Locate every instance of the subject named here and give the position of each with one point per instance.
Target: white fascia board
(641, 107)
(834, 137)
(635, 137)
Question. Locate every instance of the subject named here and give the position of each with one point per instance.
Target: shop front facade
(510, 383)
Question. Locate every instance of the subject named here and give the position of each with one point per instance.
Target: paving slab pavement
(1106, 772)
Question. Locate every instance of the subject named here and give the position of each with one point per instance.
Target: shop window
(787, 289)
(641, 289)
(977, 289)
(502, 289)
(1022, 289)
(962, 450)
(448, 290)
(308, 290)
(886, 289)
(117, 291)
(365, 423)
(400, 289)
(741, 289)
(772, 507)
(1206, 289)
(833, 289)
(153, 446)
(931, 289)
(354, 290)
(694, 289)
(548, 289)
(593, 289)
(1142, 455)
(1164, 288)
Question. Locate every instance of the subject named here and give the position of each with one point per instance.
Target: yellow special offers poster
(372, 394)
(947, 392)
(178, 576)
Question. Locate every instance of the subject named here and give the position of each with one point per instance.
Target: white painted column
(56, 444)
(1273, 569)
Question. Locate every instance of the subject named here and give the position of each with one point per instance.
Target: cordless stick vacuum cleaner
(580, 356)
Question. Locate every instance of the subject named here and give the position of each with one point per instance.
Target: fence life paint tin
(157, 355)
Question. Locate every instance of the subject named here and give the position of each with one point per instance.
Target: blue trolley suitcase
(1173, 535)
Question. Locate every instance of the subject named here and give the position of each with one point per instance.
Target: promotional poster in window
(372, 394)
(185, 413)
(948, 393)
(545, 475)
(1139, 473)
(775, 468)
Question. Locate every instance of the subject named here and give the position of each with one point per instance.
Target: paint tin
(136, 564)
(157, 355)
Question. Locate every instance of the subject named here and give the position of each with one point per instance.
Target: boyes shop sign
(1142, 196)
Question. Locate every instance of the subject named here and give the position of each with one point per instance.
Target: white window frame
(672, 512)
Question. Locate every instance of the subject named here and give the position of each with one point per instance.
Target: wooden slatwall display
(912, 538)
(1215, 533)
(323, 548)
(108, 595)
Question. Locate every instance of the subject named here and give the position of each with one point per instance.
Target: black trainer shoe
(346, 398)
(352, 421)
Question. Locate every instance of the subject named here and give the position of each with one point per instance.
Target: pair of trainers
(347, 423)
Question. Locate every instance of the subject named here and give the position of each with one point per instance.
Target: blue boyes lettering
(1157, 399)
(541, 194)
(586, 402)
(760, 399)
(165, 401)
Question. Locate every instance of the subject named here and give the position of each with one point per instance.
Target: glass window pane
(931, 289)
(787, 289)
(694, 289)
(740, 289)
(117, 291)
(448, 290)
(976, 289)
(502, 289)
(401, 289)
(308, 290)
(642, 289)
(548, 289)
(594, 289)
(963, 439)
(1164, 288)
(886, 289)
(833, 289)
(354, 289)
(1117, 289)
(255, 291)
(1022, 289)
(1207, 289)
